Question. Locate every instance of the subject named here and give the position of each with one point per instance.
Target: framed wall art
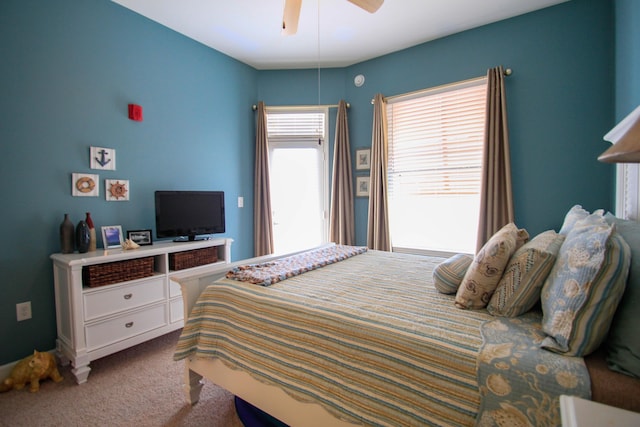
(84, 185)
(116, 190)
(112, 236)
(141, 237)
(103, 158)
(363, 159)
(362, 186)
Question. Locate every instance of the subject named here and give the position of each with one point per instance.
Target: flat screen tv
(185, 215)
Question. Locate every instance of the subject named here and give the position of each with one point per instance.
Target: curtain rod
(254, 107)
(507, 72)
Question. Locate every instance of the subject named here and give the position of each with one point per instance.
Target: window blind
(296, 125)
(435, 142)
(434, 167)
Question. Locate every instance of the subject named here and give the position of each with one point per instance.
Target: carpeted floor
(140, 386)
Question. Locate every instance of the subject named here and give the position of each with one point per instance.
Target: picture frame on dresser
(141, 237)
(112, 236)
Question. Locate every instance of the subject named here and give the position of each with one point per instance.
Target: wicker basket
(193, 258)
(117, 271)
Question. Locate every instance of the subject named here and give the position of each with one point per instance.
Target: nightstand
(577, 412)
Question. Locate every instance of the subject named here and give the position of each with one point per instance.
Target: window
(435, 162)
(298, 177)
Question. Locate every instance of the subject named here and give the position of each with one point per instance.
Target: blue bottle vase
(83, 237)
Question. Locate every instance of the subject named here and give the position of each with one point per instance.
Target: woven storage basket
(117, 271)
(193, 258)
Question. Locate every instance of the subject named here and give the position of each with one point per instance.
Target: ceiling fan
(292, 13)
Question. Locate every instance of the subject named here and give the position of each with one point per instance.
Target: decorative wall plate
(84, 185)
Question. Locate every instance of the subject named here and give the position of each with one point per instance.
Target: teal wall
(560, 101)
(627, 13)
(69, 68)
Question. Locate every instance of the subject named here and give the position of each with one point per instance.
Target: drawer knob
(128, 325)
(128, 296)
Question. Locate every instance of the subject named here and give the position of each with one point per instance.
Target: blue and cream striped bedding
(369, 338)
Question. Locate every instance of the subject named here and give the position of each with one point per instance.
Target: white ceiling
(250, 30)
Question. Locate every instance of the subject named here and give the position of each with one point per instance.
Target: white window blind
(297, 125)
(434, 171)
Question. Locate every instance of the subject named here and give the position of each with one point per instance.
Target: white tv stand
(93, 322)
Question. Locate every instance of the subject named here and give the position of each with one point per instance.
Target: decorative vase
(66, 235)
(82, 237)
(92, 233)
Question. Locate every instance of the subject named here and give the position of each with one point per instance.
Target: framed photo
(362, 186)
(363, 159)
(112, 236)
(141, 237)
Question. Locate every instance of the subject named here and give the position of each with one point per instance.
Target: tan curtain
(378, 236)
(496, 197)
(342, 223)
(262, 222)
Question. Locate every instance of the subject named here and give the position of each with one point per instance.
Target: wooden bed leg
(192, 386)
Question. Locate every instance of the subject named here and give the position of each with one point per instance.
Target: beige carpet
(140, 386)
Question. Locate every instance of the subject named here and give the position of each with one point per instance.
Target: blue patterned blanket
(521, 383)
(268, 273)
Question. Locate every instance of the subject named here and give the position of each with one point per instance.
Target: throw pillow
(521, 238)
(448, 275)
(575, 214)
(519, 288)
(584, 287)
(623, 345)
(485, 271)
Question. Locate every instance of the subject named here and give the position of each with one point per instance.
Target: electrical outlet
(23, 311)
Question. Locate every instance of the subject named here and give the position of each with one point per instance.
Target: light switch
(240, 202)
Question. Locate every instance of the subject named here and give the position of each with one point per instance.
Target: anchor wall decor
(103, 158)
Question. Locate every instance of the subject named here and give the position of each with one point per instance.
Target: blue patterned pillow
(519, 288)
(575, 214)
(448, 275)
(580, 296)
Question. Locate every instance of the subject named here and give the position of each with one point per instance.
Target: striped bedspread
(369, 338)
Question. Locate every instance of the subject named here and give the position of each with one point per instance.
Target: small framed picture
(112, 236)
(363, 159)
(141, 237)
(116, 190)
(362, 186)
(84, 185)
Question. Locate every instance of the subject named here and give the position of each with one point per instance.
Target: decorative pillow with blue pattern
(582, 292)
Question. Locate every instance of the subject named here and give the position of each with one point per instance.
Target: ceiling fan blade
(290, 17)
(369, 5)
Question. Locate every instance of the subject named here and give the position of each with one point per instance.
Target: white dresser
(577, 412)
(93, 322)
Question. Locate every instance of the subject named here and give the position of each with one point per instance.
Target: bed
(369, 340)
